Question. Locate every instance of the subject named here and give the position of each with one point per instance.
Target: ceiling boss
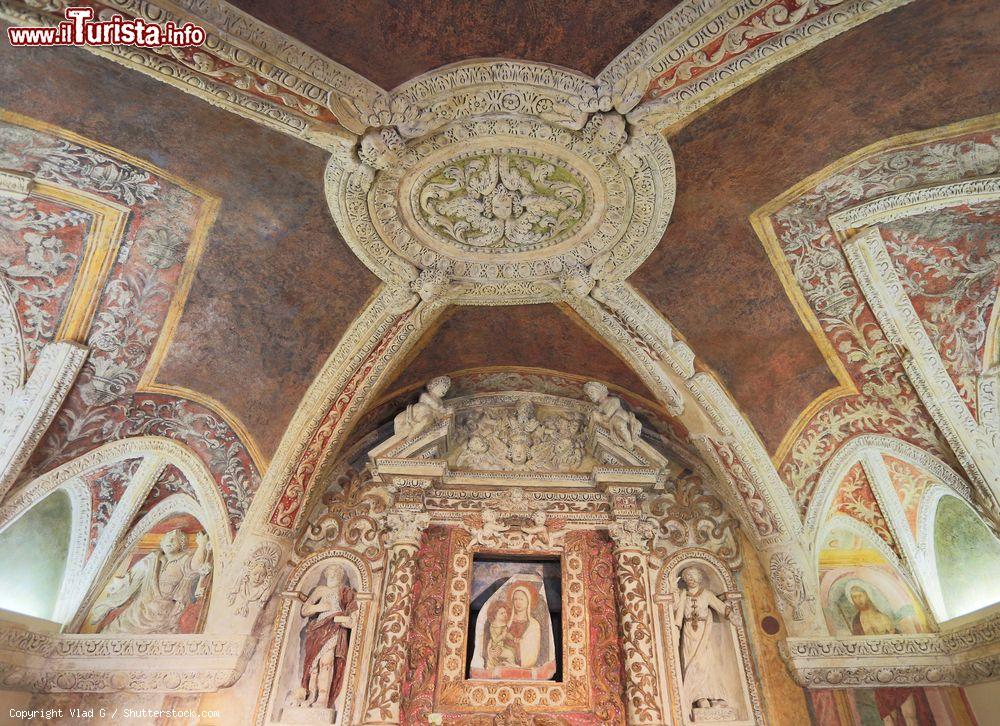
(501, 182)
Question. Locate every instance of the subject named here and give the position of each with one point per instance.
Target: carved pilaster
(632, 538)
(33, 406)
(404, 529)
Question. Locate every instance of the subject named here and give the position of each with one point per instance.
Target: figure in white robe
(702, 643)
(158, 588)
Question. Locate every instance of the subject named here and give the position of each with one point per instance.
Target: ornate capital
(404, 527)
(632, 534)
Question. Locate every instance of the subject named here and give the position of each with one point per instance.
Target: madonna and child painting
(514, 637)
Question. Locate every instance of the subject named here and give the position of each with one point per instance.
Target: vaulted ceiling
(277, 286)
(391, 42)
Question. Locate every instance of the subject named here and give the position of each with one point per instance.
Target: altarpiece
(513, 557)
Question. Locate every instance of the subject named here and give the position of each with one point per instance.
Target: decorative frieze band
(961, 656)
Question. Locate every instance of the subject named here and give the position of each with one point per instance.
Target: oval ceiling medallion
(499, 196)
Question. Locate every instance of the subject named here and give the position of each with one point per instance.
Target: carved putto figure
(491, 528)
(703, 654)
(158, 588)
(610, 414)
(427, 411)
(329, 611)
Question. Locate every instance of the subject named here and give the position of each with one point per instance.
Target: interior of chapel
(500, 362)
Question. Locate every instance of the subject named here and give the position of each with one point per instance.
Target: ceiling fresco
(392, 42)
(710, 276)
(530, 336)
(277, 286)
(765, 228)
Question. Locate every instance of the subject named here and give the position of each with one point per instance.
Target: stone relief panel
(161, 586)
(524, 436)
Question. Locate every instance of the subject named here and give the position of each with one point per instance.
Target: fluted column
(631, 536)
(385, 680)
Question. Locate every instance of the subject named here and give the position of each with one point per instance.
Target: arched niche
(863, 591)
(281, 697)
(159, 579)
(965, 558)
(34, 552)
(716, 663)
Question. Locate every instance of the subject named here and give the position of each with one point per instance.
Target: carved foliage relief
(884, 401)
(505, 201)
(155, 220)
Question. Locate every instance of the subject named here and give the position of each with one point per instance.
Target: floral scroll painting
(515, 620)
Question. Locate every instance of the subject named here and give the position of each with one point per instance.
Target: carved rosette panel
(389, 657)
(501, 206)
(638, 641)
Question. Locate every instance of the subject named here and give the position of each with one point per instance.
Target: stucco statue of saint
(158, 588)
(703, 652)
(428, 410)
(621, 423)
(329, 611)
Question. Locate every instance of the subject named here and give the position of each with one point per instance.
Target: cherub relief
(610, 414)
(427, 411)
